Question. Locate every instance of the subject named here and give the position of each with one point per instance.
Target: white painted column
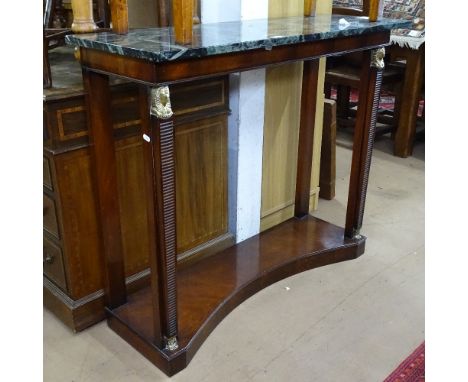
(250, 147)
(245, 125)
(251, 10)
(216, 11)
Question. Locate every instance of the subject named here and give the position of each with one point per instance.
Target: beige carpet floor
(353, 321)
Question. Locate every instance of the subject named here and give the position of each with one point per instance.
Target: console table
(168, 321)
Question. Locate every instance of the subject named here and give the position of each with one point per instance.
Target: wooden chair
(52, 37)
(184, 12)
(343, 74)
(83, 12)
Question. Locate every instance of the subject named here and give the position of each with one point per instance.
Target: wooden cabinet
(73, 277)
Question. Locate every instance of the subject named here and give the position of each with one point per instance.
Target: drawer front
(68, 121)
(194, 100)
(50, 216)
(52, 261)
(46, 174)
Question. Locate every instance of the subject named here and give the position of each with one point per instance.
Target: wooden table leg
(306, 137)
(369, 96)
(158, 130)
(97, 96)
(409, 102)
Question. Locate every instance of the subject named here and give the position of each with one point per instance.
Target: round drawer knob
(48, 259)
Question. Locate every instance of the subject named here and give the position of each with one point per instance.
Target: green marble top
(157, 44)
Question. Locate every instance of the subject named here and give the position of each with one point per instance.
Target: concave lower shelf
(211, 288)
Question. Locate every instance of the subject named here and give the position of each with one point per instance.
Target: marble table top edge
(157, 44)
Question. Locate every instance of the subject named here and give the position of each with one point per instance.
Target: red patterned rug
(412, 369)
(387, 100)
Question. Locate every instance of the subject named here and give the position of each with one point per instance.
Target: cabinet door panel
(201, 181)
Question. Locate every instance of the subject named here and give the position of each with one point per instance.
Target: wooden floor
(210, 289)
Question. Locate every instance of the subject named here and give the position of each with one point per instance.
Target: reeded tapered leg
(105, 175)
(369, 96)
(158, 136)
(306, 137)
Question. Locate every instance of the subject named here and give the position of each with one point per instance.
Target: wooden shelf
(208, 290)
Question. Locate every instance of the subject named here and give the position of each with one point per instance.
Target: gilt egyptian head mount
(161, 103)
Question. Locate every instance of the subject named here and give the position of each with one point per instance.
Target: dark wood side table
(169, 321)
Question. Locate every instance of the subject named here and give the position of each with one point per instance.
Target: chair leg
(412, 84)
(342, 101)
(327, 90)
(396, 111)
(46, 74)
(328, 152)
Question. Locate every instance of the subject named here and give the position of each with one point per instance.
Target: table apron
(165, 73)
